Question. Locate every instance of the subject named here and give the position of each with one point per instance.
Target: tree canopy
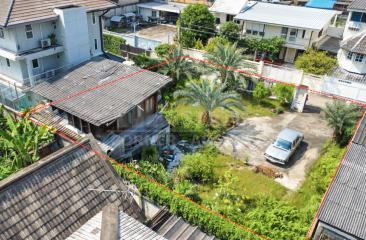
(316, 62)
(197, 23)
(230, 30)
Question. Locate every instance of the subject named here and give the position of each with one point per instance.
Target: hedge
(191, 212)
(112, 43)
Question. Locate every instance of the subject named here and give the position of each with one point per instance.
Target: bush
(150, 154)
(213, 42)
(261, 92)
(146, 62)
(188, 189)
(113, 44)
(155, 171)
(230, 30)
(162, 51)
(284, 93)
(198, 44)
(316, 62)
(196, 167)
(280, 110)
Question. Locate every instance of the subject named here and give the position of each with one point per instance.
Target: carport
(160, 12)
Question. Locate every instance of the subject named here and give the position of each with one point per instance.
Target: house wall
(15, 71)
(349, 32)
(325, 231)
(221, 16)
(146, 13)
(94, 33)
(350, 64)
(9, 41)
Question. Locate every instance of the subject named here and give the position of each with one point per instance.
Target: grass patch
(250, 184)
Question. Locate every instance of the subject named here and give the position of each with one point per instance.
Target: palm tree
(176, 65)
(227, 59)
(210, 96)
(341, 117)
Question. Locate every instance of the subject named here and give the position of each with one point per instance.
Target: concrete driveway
(163, 33)
(251, 138)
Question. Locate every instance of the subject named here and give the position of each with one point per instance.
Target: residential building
(122, 101)
(39, 38)
(342, 214)
(301, 27)
(160, 11)
(226, 10)
(356, 21)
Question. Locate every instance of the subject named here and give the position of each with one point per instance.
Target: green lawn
(250, 184)
(222, 116)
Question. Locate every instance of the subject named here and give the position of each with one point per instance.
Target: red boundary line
(39, 108)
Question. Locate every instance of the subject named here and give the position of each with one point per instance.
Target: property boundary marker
(39, 108)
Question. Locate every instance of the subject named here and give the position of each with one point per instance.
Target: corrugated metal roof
(284, 15)
(122, 88)
(345, 205)
(357, 5)
(342, 74)
(162, 6)
(323, 4)
(356, 43)
(52, 198)
(232, 7)
(13, 12)
(129, 229)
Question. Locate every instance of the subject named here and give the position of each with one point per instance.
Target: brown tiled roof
(356, 44)
(123, 87)
(14, 12)
(53, 197)
(358, 4)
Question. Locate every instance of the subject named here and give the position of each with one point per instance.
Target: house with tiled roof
(342, 214)
(40, 38)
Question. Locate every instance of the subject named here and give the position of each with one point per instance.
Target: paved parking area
(163, 33)
(251, 138)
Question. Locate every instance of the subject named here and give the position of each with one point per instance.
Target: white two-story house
(301, 27)
(39, 38)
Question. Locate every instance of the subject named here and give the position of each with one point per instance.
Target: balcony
(296, 42)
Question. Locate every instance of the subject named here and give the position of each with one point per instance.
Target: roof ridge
(9, 12)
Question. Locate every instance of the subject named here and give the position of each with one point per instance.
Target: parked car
(281, 150)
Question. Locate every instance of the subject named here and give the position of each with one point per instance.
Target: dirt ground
(251, 138)
(162, 33)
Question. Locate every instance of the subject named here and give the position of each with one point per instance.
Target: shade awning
(117, 18)
(323, 4)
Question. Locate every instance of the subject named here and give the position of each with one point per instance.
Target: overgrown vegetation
(112, 44)
(316, 62)
(20, 141)
(230, 30)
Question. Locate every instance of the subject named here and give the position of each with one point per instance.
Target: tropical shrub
(113, 44)
(261, 92)
(188, 189)
(213, 42)
(316, 62)
(284, 93)
(145, 62)
(155, 171)
(197, 168)
(163, 50)
(150, 154)
(230, 30)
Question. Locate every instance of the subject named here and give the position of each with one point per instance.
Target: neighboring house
(301, 27)
(122, 99)
(226, 10)
(356, 21)
(38, 38)
(343, 212)
(160, 11)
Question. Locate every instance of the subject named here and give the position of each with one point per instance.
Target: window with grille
(28, 31)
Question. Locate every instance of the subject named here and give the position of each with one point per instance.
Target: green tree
(210, 96)
(284, 93)
(197, 168)
(261, 92)
(213, 42)
(342, 118)
(230, 30)
(316, 62)
(113, 44)
(196, 22)
(227, 59)
(269, 47)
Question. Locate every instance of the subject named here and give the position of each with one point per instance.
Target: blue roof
(324, 4)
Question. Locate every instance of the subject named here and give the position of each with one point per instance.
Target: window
(7, 62)
(255, 29)
(359, 58)
(35, 63)
(1, 33)
(95, 44)
(293, 34)
(153, 14)
(320, 33)
(284, 32)
(358, 17)
(229, 18)
(349, 55)
(218, 20)
(93, 18)
(28, 31)
(303, 33)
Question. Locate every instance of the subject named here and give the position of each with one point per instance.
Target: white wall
(146, 13)
(222, 17)
(9, 41)
(14, 71)
(94, 33)
(348, 32)
(350, 64)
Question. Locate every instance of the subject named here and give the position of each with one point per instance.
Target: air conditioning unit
(354, 26)
(45, 43)
(50, 74)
